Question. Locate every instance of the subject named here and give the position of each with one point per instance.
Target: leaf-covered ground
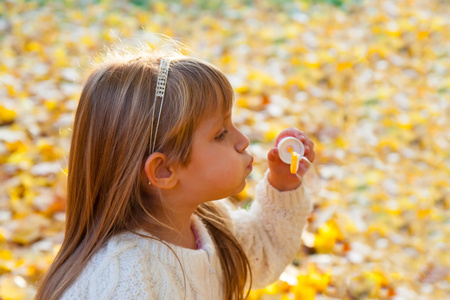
(369, 82)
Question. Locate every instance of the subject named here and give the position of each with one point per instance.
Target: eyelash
(221, 136)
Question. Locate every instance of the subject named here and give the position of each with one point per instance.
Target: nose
(242, 141)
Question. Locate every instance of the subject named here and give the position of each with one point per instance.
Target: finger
(309, 154)
(273, 156)
(291, 131)
(307, 142)
(303, 137)
(275, 162)
(303, 167)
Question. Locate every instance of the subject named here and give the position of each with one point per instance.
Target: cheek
(230, 167)
(217, 170)
(217, 165)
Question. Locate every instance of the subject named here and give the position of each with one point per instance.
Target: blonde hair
(111, 136)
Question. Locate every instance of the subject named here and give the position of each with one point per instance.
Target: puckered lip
(250, 166)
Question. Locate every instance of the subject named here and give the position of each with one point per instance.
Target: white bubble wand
(292, 151)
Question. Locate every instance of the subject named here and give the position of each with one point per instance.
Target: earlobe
(158, 172)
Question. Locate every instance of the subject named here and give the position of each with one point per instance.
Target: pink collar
(197, 240)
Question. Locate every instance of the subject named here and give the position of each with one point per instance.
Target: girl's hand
(280, 176)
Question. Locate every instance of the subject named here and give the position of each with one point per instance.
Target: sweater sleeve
(270, 231)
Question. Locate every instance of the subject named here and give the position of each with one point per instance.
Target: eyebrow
(220, 120)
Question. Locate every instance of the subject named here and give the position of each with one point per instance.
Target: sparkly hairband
(159, 93)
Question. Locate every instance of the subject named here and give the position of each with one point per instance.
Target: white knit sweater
(133, 267)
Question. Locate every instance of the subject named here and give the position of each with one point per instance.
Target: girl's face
(219, 160)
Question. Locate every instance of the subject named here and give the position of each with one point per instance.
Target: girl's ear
(159, 173)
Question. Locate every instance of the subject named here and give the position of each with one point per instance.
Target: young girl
(153, 146)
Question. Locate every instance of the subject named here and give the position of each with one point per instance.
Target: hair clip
(159, 93)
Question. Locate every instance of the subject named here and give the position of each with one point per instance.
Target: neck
(179, 221)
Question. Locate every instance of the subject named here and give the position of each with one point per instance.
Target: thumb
(273, 156)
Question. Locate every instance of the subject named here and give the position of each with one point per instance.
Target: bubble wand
(292, 151)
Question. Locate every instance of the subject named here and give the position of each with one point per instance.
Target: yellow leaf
(340, 142)
(396, 275)
(273, 132)
(304, 292)
(379, 277)
(265, 79)
(15, 193)
(318, 279)
(242, 195)
(393, 211)
(87, 40)
(2, 237)
(390, 142)
(16, 146)
(344, 65)
(242, 102)
(285, 297)
(297, 81)
(48, 151)
(422, 34)
(271, 289)
(242, 89)
(328, 234)
(378, 228)
(51, 105)
(33, 47)
(226, 59)
(312, 61)
(7, 115)
(5, 254)
(11, 90)
(423, 213)
(60, 55)
(254, 295)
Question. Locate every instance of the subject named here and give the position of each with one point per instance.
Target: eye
(222, 135)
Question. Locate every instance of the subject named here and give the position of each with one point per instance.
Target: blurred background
(368, 81)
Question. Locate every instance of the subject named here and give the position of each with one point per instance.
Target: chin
(241, 187)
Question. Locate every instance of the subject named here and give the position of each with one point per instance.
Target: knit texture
(129, 266)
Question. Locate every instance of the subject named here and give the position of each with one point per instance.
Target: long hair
(111, 136)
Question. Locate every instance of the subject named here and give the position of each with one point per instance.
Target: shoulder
(123, 267)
